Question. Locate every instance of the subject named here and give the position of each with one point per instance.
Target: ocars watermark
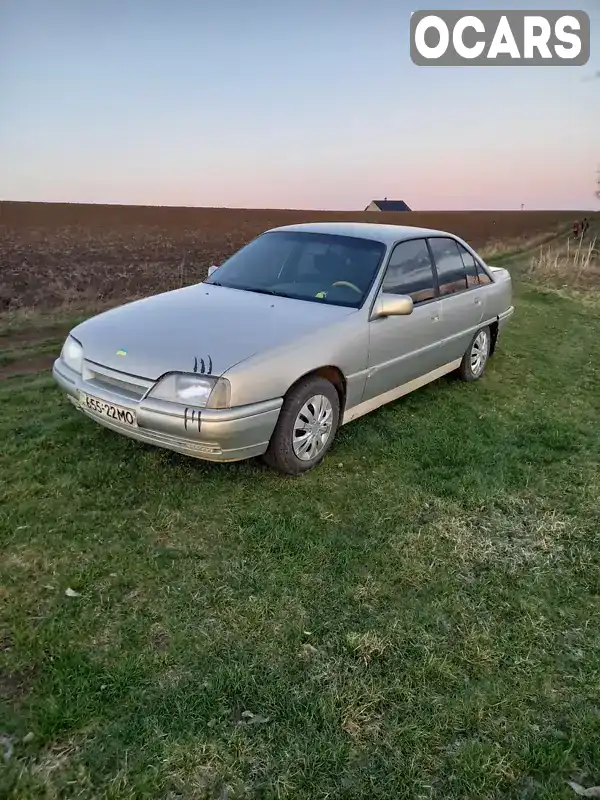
(499, 38)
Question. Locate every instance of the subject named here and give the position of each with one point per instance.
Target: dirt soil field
(62, 256)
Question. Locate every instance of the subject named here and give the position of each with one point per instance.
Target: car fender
(269, 375)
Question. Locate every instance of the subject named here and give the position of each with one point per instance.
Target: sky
(306, 105)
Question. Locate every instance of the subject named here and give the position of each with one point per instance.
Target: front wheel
(474, 360)
(306, 427)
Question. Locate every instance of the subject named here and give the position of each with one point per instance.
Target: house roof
(391, 205)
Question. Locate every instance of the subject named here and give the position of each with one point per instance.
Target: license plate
(109, 410)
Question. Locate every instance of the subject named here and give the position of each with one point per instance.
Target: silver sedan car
(304, 329)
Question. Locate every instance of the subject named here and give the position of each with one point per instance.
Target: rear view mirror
(211, 270)
(392, 305)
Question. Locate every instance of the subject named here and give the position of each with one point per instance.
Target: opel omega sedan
(304, 329)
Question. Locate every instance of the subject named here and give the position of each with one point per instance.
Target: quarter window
(410, 272)
(476, 275)
(484, 278)
(470, 266)
(452, 277)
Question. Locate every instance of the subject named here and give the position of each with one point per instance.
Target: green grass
(417, 618)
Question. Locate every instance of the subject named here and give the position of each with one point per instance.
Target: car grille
(127, 386)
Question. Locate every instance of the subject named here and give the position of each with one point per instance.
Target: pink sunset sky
(301, 106)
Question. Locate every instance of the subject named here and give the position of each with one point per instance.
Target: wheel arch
(494, 328)
(332, 374)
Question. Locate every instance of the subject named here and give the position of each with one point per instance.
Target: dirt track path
(32, 336)
(30, 362)
(30, 365)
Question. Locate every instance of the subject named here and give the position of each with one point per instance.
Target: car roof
(388, 234)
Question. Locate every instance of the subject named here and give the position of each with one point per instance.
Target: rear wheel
(306, 427)
(474, 360)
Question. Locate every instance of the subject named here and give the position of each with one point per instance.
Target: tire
(284, 452)
(475, 359)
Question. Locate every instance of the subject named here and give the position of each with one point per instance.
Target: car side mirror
(392, 305)
(212, 269)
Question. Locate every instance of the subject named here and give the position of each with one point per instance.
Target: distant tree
(597, 192)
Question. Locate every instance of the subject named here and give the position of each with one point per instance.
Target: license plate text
(109, 410)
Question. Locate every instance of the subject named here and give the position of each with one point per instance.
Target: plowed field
(66, 255)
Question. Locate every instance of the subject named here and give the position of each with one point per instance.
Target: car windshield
(319, 267)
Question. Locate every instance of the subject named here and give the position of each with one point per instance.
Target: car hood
(202, 328)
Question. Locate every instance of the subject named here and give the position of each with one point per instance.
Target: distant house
(387, 205)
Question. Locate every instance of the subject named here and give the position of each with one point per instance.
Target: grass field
(417, 618)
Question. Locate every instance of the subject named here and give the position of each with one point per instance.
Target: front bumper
(231, 434)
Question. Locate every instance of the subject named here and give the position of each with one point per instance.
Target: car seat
(330, 268)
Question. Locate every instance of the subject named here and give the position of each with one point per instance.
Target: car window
(484, 278)
(410, 272)
(476, 275)
(449, 264)
(265, 264)
(470, 266)
(308, 259)
(330, 269)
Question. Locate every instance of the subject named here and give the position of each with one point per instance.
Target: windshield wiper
(257, 290)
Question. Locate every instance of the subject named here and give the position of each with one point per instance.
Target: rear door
(404, 348)
(462, 297)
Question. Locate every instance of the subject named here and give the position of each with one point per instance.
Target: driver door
(405, 347)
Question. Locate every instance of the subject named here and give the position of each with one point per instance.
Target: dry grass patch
(520, 537)
(501, 245)
(367, 646)
(574, 263)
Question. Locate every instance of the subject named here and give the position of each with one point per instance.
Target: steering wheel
(348, 284)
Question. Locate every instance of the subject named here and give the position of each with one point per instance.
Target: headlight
(72, 354)
(193, 390)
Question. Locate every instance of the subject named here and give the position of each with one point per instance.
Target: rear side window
(410, 272)
(476, 275)
(484, 278)
(470, 266)
(451, 272)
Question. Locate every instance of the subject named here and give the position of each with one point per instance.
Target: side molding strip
(400, 391)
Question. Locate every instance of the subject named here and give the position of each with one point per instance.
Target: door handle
(435, 318)
(477, 301)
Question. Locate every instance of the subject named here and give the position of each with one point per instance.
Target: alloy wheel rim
(312, 428)
(479, 352)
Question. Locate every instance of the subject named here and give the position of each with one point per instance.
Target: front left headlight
(72, 354)
(194, 390)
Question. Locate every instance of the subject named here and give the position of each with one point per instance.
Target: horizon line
(295, 210)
